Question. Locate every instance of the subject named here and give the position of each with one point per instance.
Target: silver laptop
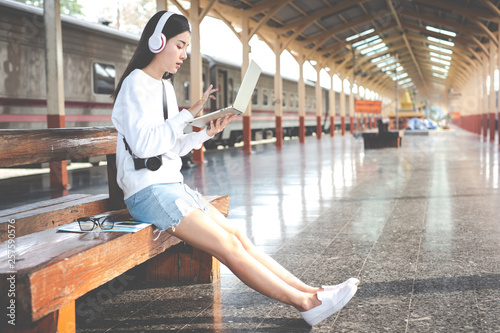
(240, 103)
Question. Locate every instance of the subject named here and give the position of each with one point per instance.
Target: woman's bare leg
(201, 231)
(262, 257)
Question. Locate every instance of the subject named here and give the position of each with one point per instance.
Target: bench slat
(55, 267)
(41, 204)
(49, 216)
(29, 146)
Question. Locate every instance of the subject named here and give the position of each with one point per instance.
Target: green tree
(69, 7)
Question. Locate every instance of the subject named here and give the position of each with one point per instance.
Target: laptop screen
(247, 86)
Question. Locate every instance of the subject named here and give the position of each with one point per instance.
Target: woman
(148, 160)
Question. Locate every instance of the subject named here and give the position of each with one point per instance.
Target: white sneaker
(353, 281)
(331, 302)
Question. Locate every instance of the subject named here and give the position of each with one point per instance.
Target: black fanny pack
(155, 162)
(151, 163)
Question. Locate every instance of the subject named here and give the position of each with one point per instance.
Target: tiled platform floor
(418, 225)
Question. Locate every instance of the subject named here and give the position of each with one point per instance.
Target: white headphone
(157, 40)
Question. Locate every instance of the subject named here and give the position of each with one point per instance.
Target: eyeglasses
(91, 223)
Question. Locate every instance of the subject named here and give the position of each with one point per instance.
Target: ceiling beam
(455, 7)
(407, 42)
(337, 47)
(465, 40)
(491, 7)
(490, 34)
(207, 9)
(312, 17)
(410, 42)
(425, 44)
(268, 15)
(180, 8)
(343, 27)
(481, 46)
(463, 29)
(265, 5)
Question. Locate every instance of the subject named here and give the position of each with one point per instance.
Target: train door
(222, 86)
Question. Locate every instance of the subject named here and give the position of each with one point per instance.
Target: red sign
(363, 106)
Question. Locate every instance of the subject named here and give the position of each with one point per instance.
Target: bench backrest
(31, 146)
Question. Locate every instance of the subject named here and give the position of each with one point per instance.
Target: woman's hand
(198, 106)
(219, 124)
(208, 94)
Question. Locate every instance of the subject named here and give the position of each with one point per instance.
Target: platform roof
(433, 44)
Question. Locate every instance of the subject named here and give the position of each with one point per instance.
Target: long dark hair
(142, 57)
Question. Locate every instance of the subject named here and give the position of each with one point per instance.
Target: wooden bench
(382, 137)
(43, 271)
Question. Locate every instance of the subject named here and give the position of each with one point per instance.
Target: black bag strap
(165, 109)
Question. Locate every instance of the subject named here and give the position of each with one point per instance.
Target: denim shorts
(164, 205)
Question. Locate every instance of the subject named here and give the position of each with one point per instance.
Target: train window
(284, 99)
(255, 97)
(222, 86)
(291, 101)
(310, 103)
(186, 91)
(104, 78)
(265, 97)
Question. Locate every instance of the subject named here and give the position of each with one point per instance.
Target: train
(96, 55)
